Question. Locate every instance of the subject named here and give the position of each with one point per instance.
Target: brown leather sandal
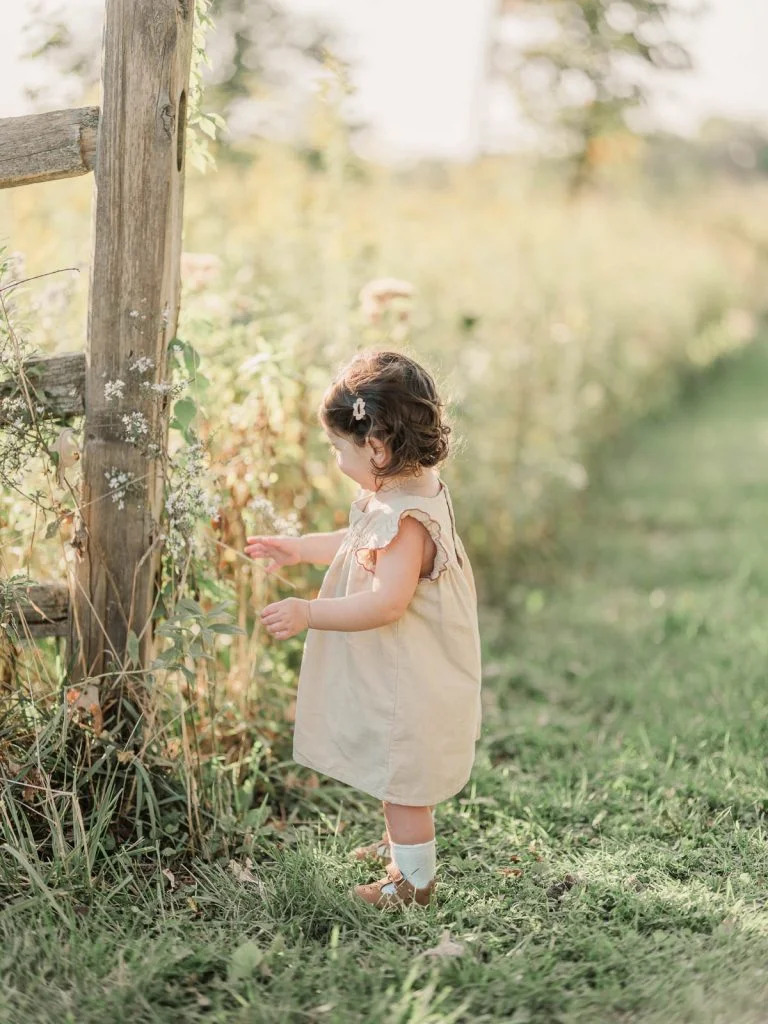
(404, 895)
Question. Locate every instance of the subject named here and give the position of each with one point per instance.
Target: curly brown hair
(402, 410)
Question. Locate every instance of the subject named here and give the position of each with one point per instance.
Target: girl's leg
(408, 825)
(412, 842)
(397, 808)
(380, 850)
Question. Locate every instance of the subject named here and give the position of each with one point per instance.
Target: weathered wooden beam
(133, 313)
(58, 383)
(43, 147)
(43, 611)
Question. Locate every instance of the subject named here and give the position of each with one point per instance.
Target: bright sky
(418, 65)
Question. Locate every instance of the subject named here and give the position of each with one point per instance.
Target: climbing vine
(204, 125)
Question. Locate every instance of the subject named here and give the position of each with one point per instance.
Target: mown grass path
(609, 861)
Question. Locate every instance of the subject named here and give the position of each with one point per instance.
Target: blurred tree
(256, 40)
(255, 44)
(582, 71)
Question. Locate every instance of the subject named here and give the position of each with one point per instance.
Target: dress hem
(378, 794)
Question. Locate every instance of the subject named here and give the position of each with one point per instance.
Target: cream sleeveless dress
(395, 711)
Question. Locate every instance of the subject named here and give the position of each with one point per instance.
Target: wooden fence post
(133, 311)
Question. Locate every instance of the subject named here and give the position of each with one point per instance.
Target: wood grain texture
(58, 383)
(43, 147)
(45, 611)
(133, 312)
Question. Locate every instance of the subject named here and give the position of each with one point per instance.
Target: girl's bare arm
(317, 548)
(321, 548)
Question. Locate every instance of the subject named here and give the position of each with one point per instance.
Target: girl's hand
(285, 619)
(281, 551)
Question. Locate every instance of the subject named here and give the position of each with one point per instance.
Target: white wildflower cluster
(166, 388)
(287, 525)
(118, 482)
(142, 365)
(14, 411)
(187, 501)
(136, 427)
(114, 389)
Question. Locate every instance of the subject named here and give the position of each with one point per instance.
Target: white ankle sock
(417, 864)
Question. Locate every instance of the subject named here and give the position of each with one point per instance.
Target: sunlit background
(559, 206)
(423, 71)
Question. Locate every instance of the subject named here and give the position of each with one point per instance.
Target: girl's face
(355, 461)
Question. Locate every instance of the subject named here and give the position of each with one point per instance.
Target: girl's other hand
(280, 551)
(285, 619)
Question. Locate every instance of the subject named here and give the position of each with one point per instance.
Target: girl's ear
(378, 452)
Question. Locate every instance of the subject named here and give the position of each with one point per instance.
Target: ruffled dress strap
(381, 528)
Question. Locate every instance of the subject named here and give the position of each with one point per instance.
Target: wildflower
(142, 365)
(383, 292)
(13, 405)
(286, 525)
(186, 501)
(118, 482)
(136, 427)
(165, 388)
(114, 389)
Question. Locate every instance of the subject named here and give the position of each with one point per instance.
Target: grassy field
(609, 861)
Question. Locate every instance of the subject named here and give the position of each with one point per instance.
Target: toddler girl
(389, 692)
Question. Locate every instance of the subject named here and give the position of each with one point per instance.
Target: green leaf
(191, 359)
(165, 658)
(184, 411)
(207, 127)
(132, 647)
(228, 628)
(244, 961)
(190, 607)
